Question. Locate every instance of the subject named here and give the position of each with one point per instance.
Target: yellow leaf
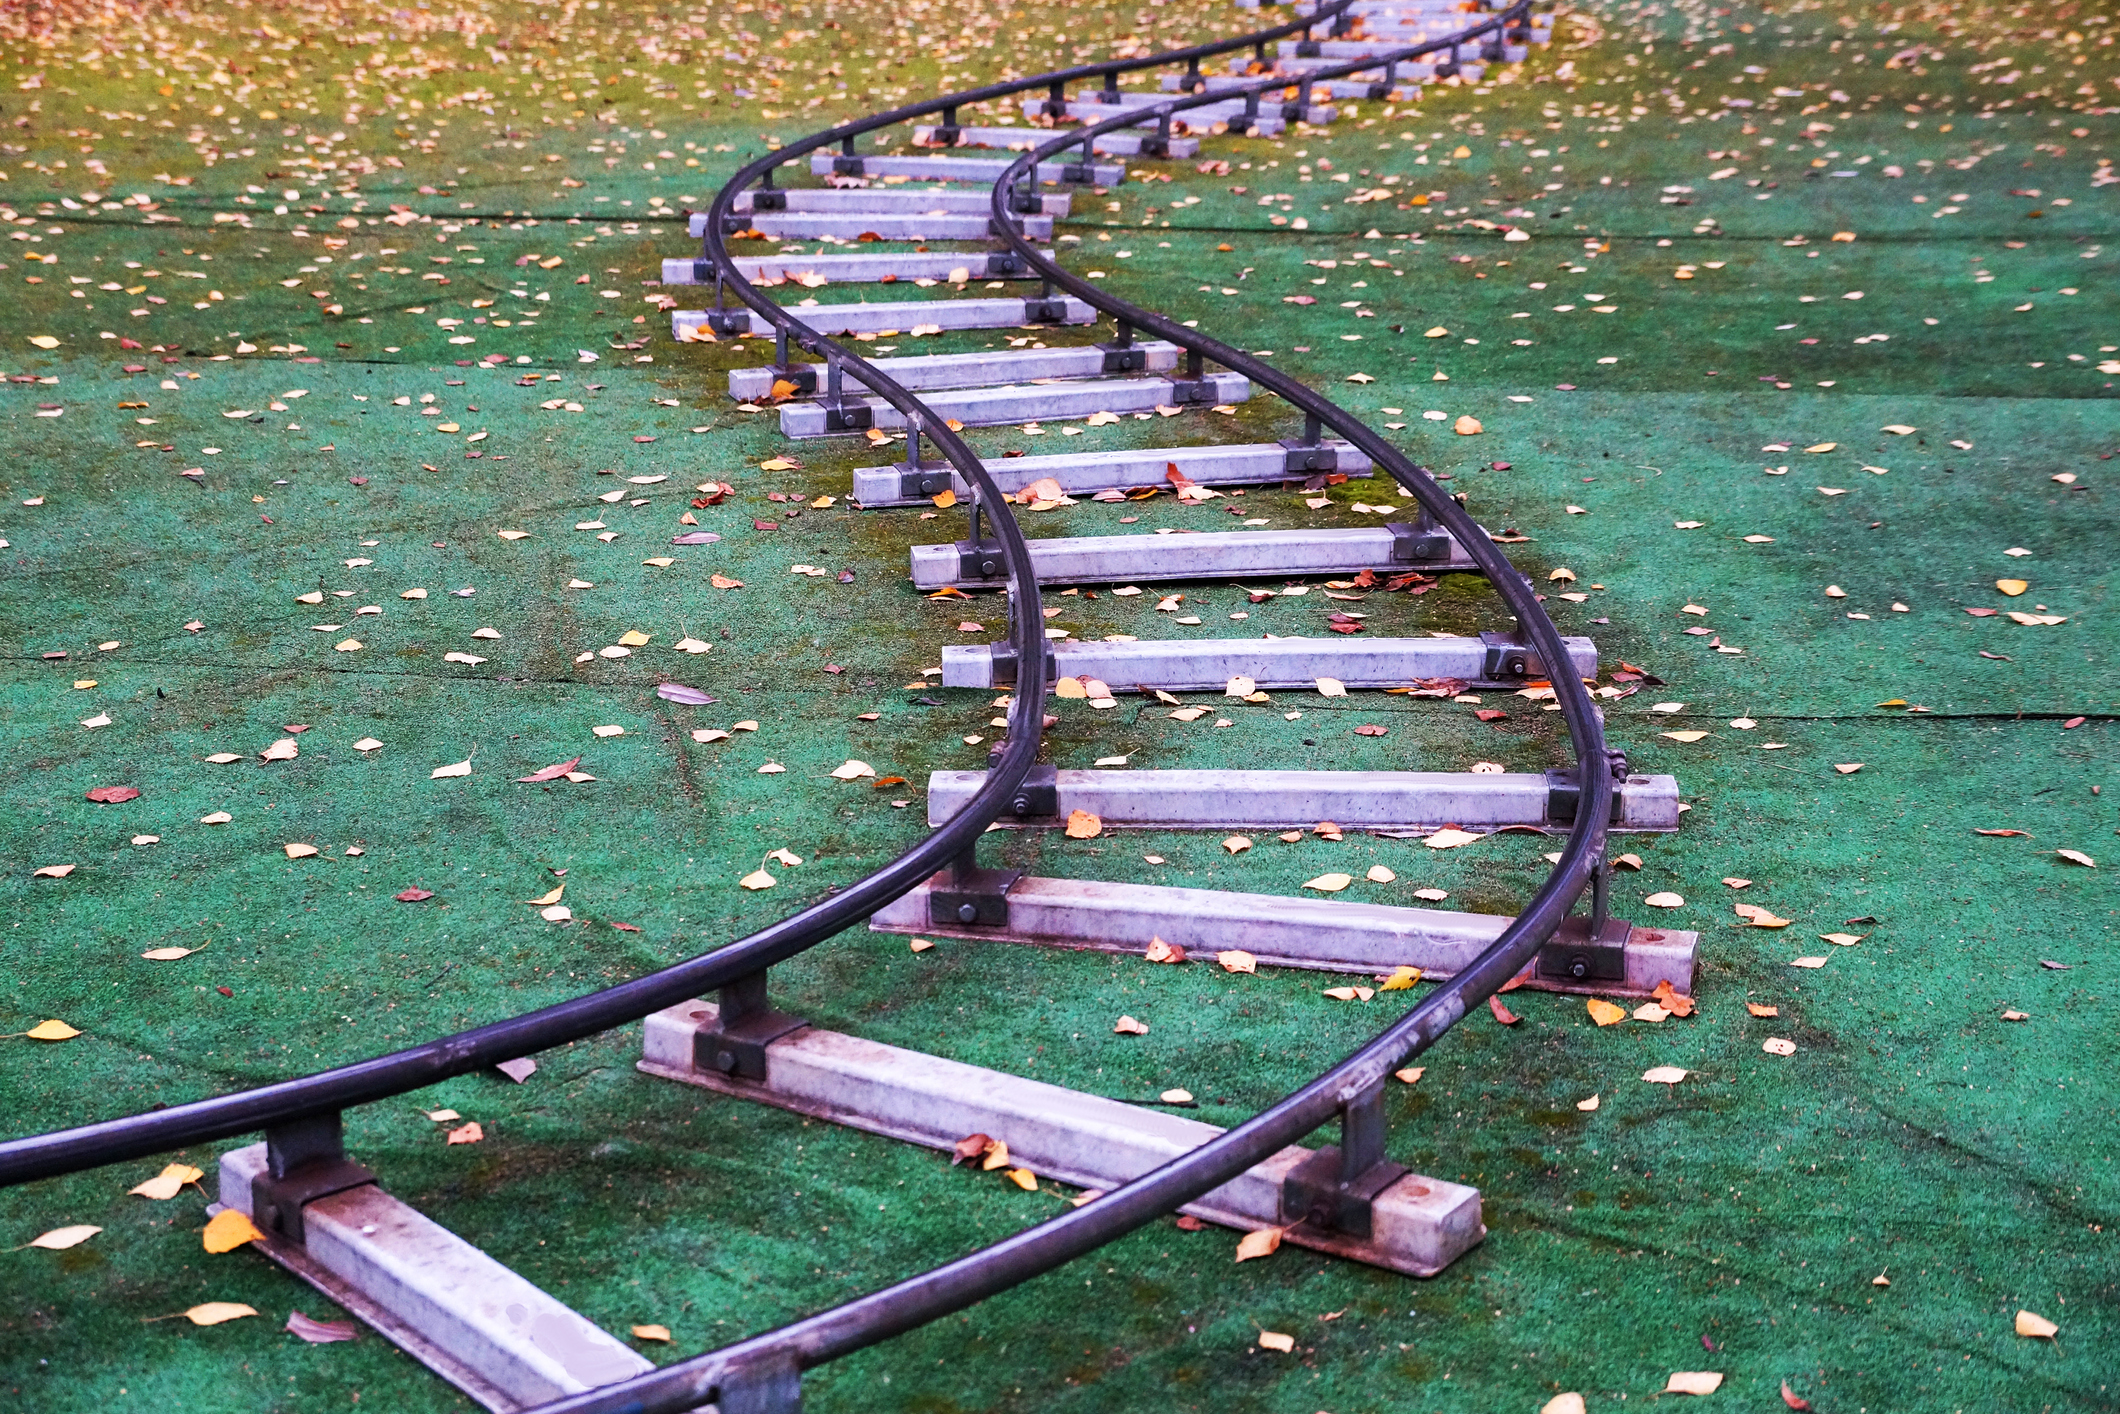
(758, 879)
(168, 1183)
(44, 341)
(212, 1313)
(299, 851)
(1438, 332)
(1664, 900)
(852, 770)
(1270, 1340)
(1237, 960)
(1467, 427)
(1664, 1075)
(1812, 963)
(53, 871)
(467, 1133)
(460, 768)
(1846, 940)
(1449, 839)
(61, 1238)
(1236, 844)
(559, 891)
(1897, 429)
(1127, 1026)
(1586, 1106)
(1688, 737)
(1822, 447)
(229, 1230)
(1262, 1243)
(633, 638)
(1378, 874)
(1848, 768)
(167, 954)
(651, 1333)
(945, 498)
(2035, 1327)
(2012, 587)
(1411, 1075)
(1024, 1179)
(2077, 856)
(1400, 980)
(1605, 1013)
(53, 1030)
(1330, 883)
(1081, 825)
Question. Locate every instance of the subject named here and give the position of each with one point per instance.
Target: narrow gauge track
(402, 1273)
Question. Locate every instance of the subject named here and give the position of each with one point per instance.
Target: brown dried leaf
(1262, 1243)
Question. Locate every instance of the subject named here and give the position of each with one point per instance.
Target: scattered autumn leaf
(1606, 1013)
(228, 1230)
(1237, 960)
(2035, 1327)
(1664, 1075)
(468, 1133)
(213, 1313)
(168, 1183)
(1696, 1381)
(61, 1238)
(1081, 825)
(1263, 1242)
(1127, 1026)
(319, 1332)
(1160, 951)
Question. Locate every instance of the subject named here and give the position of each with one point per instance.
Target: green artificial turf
(1735, 1222)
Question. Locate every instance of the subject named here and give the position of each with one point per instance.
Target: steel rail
(748, 1373)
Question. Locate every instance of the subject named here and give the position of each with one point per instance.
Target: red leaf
(643, 439)
(113, 795)
(1794, 1400)
(1345, 627)
(2027, 834)
(415, 895)
(1491, 714)
(1501, 1013)
(1370, 729)
(1175, 476)
(1188, 1223)
(1982, 613)
(295, 728)
(2072, 723)
(626, 927)
(765, 525)
(552, 772)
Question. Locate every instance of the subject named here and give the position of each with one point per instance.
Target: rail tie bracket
(1508, 659)
(1336, 1188)
(1416, 544)
(734, 1043)
(1045, 311)
(304, 1160)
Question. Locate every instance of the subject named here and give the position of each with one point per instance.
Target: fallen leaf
(167, 954)
(1606, 1013)
(758, 879)
(921, 944)
(552, 772)
(1236, 844)
(297, 850)
(1794, 1400)
(213, 1313)
(319, 1332)
(970, 1147)
(1846, 940)
(1664, 900)
(1570, 1402)
(1812, 963)
(1502, 1013)
(1694, 1381)
(1023, 1179)
(1411, 1075)
(2036, 1327)
(1127, 1026)
(2077, 856)
(1776, 1046)
(168, 1183)
(1330, 883)
(469, 1133)
(230, 1229)
(1589, 1105)
(52, 1030)
(1401, 979)
(52, 871)
(113, 795)
(2016, 1016)
(1758, 1010)
(61, 1238)
(1237, 960)
(852, 770)
(1081, 825)
(1687, 736)
(460, 768)
(413, 895)
(1448, 838)
(1848, 768)
(1160, 951)
(1264, 1243)
(1664, 1075)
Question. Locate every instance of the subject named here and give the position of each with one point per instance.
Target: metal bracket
(1592, 949)
(1004, 671)
(1124, 356)
(841, 418)
(996, 227)
(964, 895)
(1079, 173)
(1507, 658)
(845, 166)
(769, 201)
(802, 375)
(1335, 1189)
(729, 321)
(1307, 457)
(1412, 544)
(1191, 390)
(1307, 49)
(1564, 794)
(1022, 199)
(978, 559)
(1005, 262)
(1045, 311)
(735, 1042)
(304, 1161)
(920, 482)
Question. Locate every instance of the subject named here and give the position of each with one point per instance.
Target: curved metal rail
(763, 1372)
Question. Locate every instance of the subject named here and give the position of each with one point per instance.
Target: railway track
(509, 1345)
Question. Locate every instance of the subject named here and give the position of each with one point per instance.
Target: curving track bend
(511, 1346)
